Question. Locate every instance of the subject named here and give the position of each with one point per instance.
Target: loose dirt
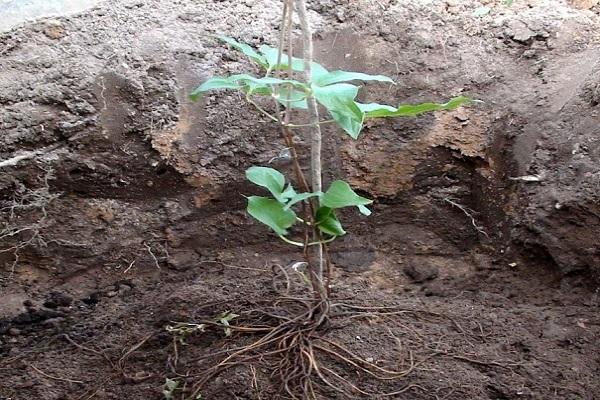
(122, 210)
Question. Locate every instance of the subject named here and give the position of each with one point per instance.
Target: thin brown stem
(315, 129)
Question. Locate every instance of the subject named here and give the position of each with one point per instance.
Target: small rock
(54, 29)
(583, 4)
(93, 298)
(14, 332)
(434, 290)
(519, 31)
(183, 260)
(57, 299)
(124, 288)
(54, 322)
(421, 271)
(461, 116)
(112, 293)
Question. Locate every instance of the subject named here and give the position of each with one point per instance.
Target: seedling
(182, 330)
(224, 319)
(169, 388)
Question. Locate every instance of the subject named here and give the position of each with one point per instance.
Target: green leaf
(364, 210)
(374, 110)
(328, 223)
(169, 388)
(246, 49)
(249, 83)
(270, 179)
(213, 84)
(338, 99)
(288, 193)
(271, 213)
(340, 194)
(297, 98)
(225, 318)
(271, 55)
(298, 197)
(344, 76)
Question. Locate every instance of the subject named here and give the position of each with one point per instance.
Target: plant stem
(315, 129)
(329, 121)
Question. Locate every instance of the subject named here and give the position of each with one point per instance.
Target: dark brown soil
(129, 218)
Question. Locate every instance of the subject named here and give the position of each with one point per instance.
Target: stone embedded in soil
(57, 299)
(354, 261)
(519, 31)
(583, 4)
(421, 272)
(14, 332)
(54, 29)
(182, 260)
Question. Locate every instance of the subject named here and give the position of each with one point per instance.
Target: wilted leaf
(344, 76)
(169, 388)
(225, 318)
(340, 194)
(328, 223)
(271, 213)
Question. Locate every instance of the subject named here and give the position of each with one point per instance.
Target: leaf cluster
(333, 91)
(330, 88)
(277, 212)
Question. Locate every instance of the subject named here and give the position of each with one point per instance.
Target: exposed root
(56, 378)
(299, 358)
(469, 213)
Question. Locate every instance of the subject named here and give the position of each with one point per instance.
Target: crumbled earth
(122, 209)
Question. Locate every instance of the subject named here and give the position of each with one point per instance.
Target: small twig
(129, 267)
(229, 265)
(152, 254)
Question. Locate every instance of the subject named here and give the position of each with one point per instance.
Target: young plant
(300, 85)
(332, 90)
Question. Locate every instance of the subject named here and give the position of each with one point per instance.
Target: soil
(122, 210)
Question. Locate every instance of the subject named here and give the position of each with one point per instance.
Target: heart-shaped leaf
(271, 213)
(270, 179)
(340, 195)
